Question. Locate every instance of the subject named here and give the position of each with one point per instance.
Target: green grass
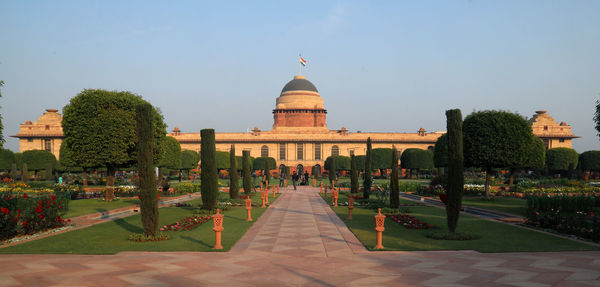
(92, 205)
(494, 236)
(111, 237)
(502, 204)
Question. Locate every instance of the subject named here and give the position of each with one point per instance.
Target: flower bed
(29, 213)
(186, 224)
(409, 222)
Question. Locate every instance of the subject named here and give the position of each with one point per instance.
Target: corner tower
(299, 106)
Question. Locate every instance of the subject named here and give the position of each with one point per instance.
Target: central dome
(299, 83)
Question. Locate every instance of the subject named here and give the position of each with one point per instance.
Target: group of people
(295, 178)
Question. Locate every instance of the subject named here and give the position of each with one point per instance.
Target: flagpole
(299, 65)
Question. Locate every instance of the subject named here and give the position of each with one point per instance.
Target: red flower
(53, 197)
(4, 210)
(25, 195)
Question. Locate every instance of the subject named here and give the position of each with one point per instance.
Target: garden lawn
(111, 237)
(494, 236)
(93, 205)
(502, 204)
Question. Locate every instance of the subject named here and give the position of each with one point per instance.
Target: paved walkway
(300, 242)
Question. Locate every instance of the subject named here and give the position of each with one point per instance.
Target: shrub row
(566, 214)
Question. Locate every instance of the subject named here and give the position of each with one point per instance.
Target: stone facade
(551, 132)
(44, 134)
(299, 138)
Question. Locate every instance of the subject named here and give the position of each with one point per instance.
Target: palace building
(299, 139)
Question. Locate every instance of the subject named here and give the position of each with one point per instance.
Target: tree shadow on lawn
(128, 226)
(194, 240)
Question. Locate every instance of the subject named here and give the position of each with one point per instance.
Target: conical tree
(14, 172)
(233, 174)
(268, 170)
(368, 181)
(353, 175)
(24, 173)
(147, 179)
(208, 165)
(331, 170)
(394, 188)
(455, 167)
(246, 177)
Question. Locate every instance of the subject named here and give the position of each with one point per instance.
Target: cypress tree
(394, 188)
(353, 176)
(368, 181)
(246, 177)
(147, 179)
(24, 173)
(208, 165)
(455, 167)
(233, 174)
(331, 170)
(14, 171)
(268, 170)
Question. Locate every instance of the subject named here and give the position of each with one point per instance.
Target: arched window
(264, 151)
(335, 150)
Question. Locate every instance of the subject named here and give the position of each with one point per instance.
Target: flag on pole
(302, 61)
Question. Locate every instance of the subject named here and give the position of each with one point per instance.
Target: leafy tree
(590, 160)
(495, 139)
(222, 158)
(260, 163)
(189, 160)
(49, 171)
(208, 165)
(417, 159)
(7, 159)
(233, 174)
(561, 159)
(455, 162)
(381, 159)
(100, 130)
(170, 155)
(147, 179)
(66, 159)
(37, 160)
(246, 177)
(360, 162)
(341, 162)
(14, 172)
(394, 187)
(368, 180)
(440, 153)
(535, 157)
(353, 175)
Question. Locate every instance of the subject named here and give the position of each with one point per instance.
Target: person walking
(281, 179)
(294, 178)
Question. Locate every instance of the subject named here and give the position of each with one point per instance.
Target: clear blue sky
(379, 65)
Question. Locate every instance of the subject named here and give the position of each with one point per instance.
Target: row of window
(264, 151)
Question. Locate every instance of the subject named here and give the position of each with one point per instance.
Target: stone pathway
(299, 241)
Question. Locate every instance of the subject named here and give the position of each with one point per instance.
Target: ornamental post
(273, 190)
(350, 207)
(218, 228)
(262, 197)
(278, 189)
(267, 195)
(248, 202)
(379, 222)
(336, 194)
(321, 187)
(261, 186)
